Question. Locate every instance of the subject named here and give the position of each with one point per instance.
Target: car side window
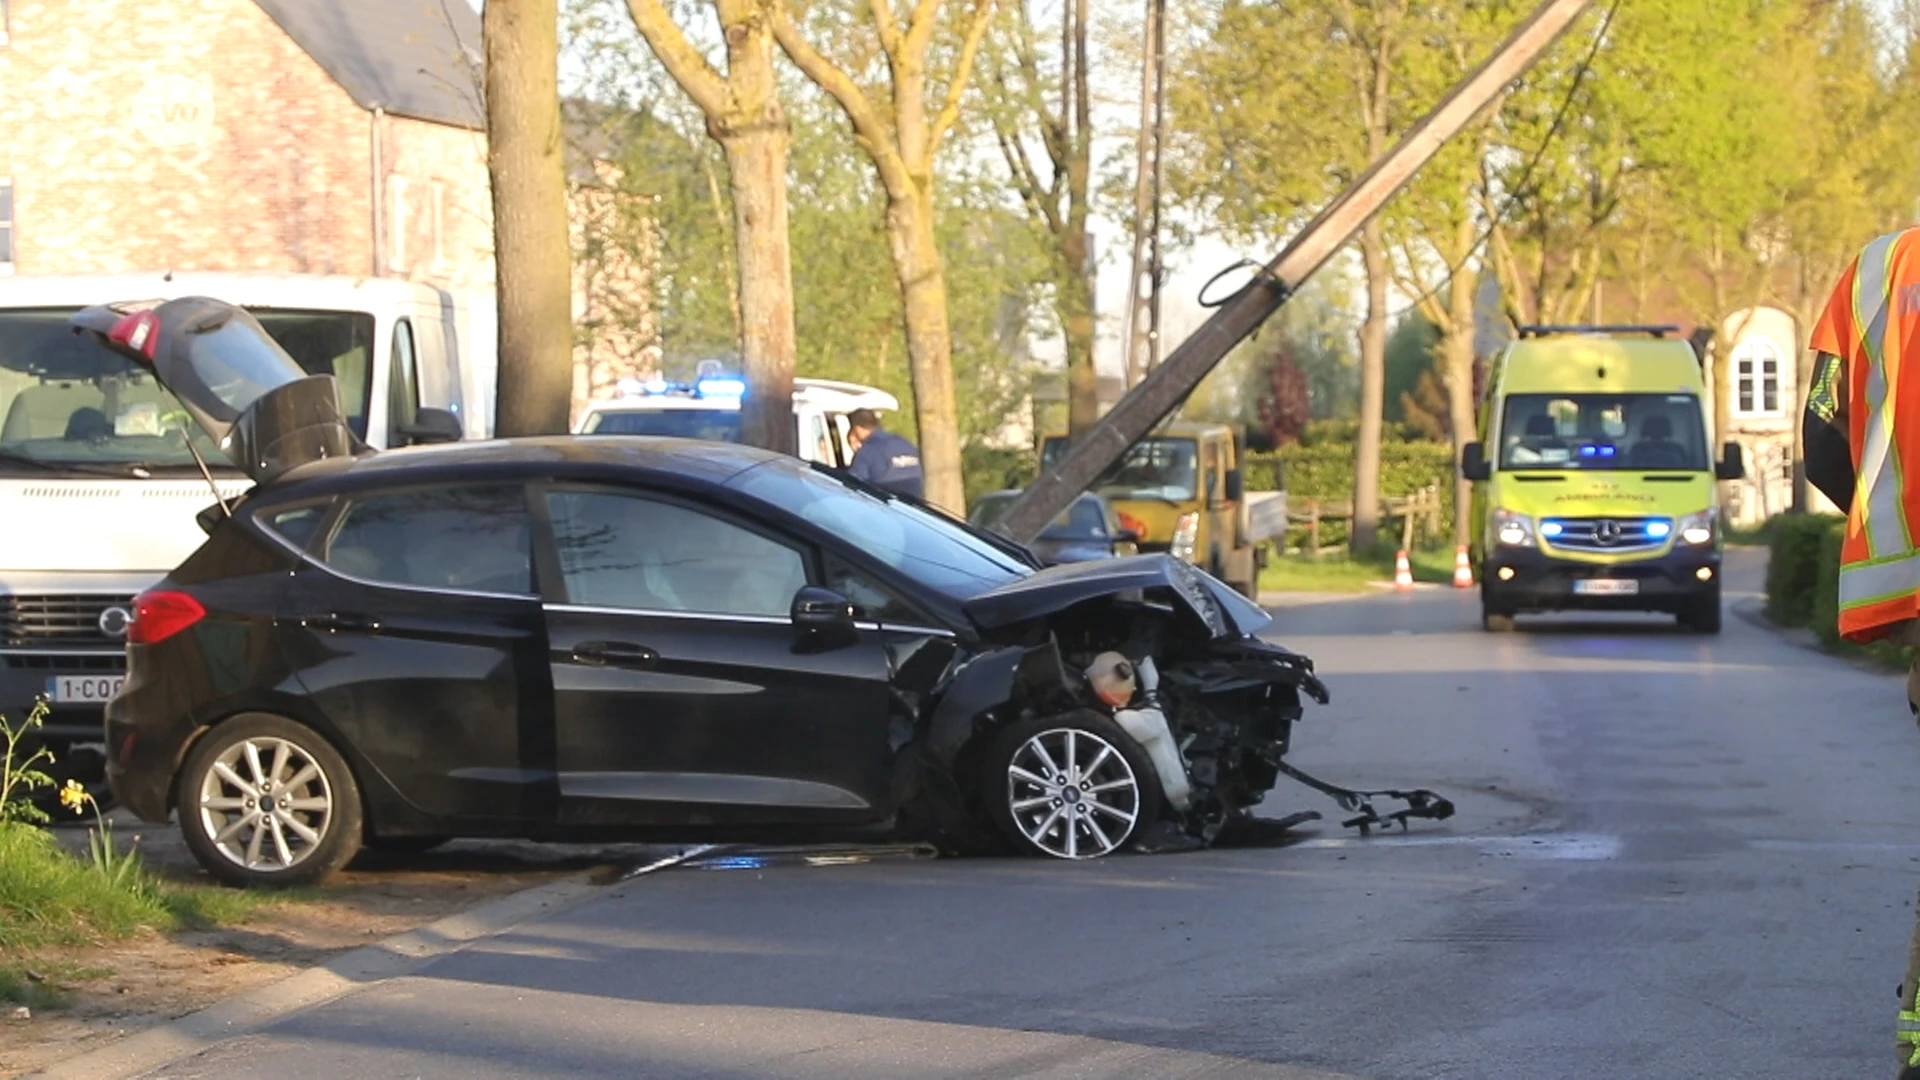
(871, 601)
(466, 539)
(296, 524)
(403, 384)
(625, 551)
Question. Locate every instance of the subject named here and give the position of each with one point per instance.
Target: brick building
(287, 135)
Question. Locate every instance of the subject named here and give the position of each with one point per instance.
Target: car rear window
(464, 539)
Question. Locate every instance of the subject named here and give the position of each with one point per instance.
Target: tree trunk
(923, 287)
(533, 257)
(1373, 392)
(1075, 309)
(1457, 355)
(757, 172)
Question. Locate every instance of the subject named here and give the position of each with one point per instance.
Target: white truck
(98, 485)
(709, 408)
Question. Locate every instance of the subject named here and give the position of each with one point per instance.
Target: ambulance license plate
(1607, 586)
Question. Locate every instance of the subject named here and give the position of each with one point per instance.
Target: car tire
(1118, 801)
(1702, 615)
(257, 758)
(1496, 621)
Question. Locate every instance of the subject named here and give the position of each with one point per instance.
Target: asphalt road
(1674, 857)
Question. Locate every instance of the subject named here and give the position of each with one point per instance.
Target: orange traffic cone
(1462, 570)
(1402, 572)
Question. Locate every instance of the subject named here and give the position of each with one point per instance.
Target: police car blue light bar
(723, 388)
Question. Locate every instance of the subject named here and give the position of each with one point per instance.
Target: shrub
(1323, 470)
(1825, 618)
(1793, 565)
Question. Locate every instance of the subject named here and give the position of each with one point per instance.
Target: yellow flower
(74, 796)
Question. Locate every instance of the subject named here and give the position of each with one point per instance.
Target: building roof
(417, 58)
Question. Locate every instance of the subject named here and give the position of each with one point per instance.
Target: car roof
(663, 403)
(702, 461)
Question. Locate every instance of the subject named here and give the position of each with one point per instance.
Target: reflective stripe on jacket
(1872, 324)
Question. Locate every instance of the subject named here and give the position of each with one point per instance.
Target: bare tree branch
(703, 84)
(869, 130)
(889, 29)
(962, 72)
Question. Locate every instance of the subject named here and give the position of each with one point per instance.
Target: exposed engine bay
(1174, 663)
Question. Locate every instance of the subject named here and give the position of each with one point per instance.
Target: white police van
(709, 408)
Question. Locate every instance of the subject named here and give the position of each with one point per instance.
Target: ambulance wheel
(1495, 621)
(1702, 614)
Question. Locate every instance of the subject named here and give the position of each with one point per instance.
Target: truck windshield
(1153, 468)
(66, 401)
(1603, 431)
(1084, 520)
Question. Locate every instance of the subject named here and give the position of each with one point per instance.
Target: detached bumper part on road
(1544, 582)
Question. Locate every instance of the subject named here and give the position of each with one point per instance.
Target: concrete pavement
(1675, 856)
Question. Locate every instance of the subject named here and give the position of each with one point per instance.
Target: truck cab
(99, 483)
(1594, 485)
(709, 408)
(1180, 490)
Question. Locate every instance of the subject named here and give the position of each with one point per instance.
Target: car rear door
(421, 641)
(682, 692)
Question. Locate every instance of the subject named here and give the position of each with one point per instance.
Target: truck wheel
(1495, 621)
(1073, 786)
(266, 801)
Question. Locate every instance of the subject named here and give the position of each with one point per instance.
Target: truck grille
(59, 621)
(1606, 535)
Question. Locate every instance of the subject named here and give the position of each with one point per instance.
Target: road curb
(155, 1047)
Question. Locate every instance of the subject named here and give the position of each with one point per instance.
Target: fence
(1420, 514)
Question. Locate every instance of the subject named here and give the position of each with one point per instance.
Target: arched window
(1756, 377)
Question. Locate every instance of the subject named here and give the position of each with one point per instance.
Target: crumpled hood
(1224, 612)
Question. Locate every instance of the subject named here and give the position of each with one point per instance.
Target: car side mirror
(1473, 462)
(431, 425)
(1733, 464)
(1236, 485)
(823, 614)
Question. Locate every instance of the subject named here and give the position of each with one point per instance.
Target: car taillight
(1132, 524)
(1186, 537)
(139, 331)
(160, 614)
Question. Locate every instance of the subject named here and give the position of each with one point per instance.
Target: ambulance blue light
(1551, 529)
(1659, 529)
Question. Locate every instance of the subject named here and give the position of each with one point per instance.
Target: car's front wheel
(1073, 786)
(266, 801)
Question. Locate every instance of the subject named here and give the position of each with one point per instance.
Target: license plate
(1607, 586)
(83, 689)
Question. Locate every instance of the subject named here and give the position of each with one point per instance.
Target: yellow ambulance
(1594, 484)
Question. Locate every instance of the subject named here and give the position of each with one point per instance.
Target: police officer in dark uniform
(882, 458)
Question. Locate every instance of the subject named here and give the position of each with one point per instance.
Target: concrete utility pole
(1168, 384)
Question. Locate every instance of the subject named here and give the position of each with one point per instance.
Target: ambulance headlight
(1512, 529)
(1698, 529)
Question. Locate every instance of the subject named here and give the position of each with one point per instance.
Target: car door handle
(337, 623)
(614, 654)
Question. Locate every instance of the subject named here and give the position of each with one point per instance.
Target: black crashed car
(1087, 529)
(611, 637)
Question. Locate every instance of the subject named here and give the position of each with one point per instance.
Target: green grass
(1342, 572)
(51, 900)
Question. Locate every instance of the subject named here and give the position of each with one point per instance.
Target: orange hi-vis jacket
(1872, 325)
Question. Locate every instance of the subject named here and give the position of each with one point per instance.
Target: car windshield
(1603, 431)
(1153, 468)
(1084, 520)
(920, 544)
(66, 401)
(713, 425)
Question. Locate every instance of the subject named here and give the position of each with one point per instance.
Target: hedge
(1324, 471)
(1803, 582)
(1793, 565)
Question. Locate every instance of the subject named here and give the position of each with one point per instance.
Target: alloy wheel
(1072, 794)
(265, 804)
